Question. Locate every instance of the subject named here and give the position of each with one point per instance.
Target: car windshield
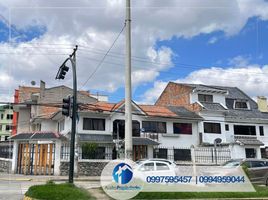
(231, 163)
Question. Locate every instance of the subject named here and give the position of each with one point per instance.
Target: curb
(28, 198)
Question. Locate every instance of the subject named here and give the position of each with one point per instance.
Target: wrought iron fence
(101, 153)
(212, 155)
(201, 155)
(6, 150)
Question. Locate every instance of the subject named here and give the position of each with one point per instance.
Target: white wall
(238, 151)
(213, 118)
(24, 120)
(179, 140)
(49, 125)
(168, 139)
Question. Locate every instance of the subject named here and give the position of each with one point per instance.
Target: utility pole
(128, 93)
(61, 75)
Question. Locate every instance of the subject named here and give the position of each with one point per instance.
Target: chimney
(262, 103)
(42, 88)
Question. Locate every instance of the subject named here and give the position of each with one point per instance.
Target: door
(139, 152)
(35, 159)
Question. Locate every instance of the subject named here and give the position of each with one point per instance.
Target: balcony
(249, 139)
(153, 136)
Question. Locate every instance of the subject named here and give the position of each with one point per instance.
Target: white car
(154, 167)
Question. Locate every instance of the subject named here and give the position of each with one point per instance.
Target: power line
(105, 55)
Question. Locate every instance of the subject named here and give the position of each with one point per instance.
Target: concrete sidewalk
(42, 178)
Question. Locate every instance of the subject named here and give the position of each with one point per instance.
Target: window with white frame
(241, 104)
(205, 98)
(95, 124)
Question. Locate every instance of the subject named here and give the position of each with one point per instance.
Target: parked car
(154, 167)
(257, 168)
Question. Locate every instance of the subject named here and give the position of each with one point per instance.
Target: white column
(57, 157)
(14, 157)
(150, 152)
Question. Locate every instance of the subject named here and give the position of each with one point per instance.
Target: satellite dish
(217, 141)
(33, 83)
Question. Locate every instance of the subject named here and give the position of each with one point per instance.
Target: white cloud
(212, 40)
(251, 79)
(240, 61)
(152, 94)
(95, 24)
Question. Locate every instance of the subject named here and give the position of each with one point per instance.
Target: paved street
(13, 187)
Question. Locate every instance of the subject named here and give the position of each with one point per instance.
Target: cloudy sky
(219, 42)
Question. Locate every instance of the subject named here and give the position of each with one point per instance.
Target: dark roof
(248, 140)
(246, 114)
(144, 141)
(183, 112)
(213, 106)
(37, 136)
(233, 93)
(99, 138)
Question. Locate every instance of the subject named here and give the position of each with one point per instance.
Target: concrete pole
(128, 94)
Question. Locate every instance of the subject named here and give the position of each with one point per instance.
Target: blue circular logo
(122, 173)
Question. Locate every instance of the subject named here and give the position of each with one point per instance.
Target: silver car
(257, 168)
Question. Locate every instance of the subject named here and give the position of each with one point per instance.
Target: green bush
(52, 191)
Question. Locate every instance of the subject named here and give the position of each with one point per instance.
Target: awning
(144, 141)
(97, 138)
(38, 136)
(248, 141)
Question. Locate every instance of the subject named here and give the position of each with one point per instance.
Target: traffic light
(62, 72)
(67, 106)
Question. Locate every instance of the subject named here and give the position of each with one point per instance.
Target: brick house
(228, 113)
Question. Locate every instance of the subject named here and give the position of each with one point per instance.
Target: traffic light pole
(61, 75)
(74, 115)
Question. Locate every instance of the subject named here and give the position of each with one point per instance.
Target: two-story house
(43, 138)
(230, 116)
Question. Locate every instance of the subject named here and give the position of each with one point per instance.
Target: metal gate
(36, 159)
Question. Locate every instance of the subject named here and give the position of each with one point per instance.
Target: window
(182, 154)
(261, 131)
(2, 116)
(241, 105)
(154, 127)
(258, 164)
(9, 116)
(205, 98)
(161, 166)
(147, 167)
(182, 128)
(6, 138)
(244, 130)
(119, 129)
(212, 127)
(94, 124)
(8, 127)
(227, 127)
(161, 153)
(250, 153)
(0, 127)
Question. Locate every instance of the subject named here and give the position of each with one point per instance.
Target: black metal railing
(6, 150)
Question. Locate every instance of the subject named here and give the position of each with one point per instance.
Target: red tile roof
(160, 111)
(150, 110)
